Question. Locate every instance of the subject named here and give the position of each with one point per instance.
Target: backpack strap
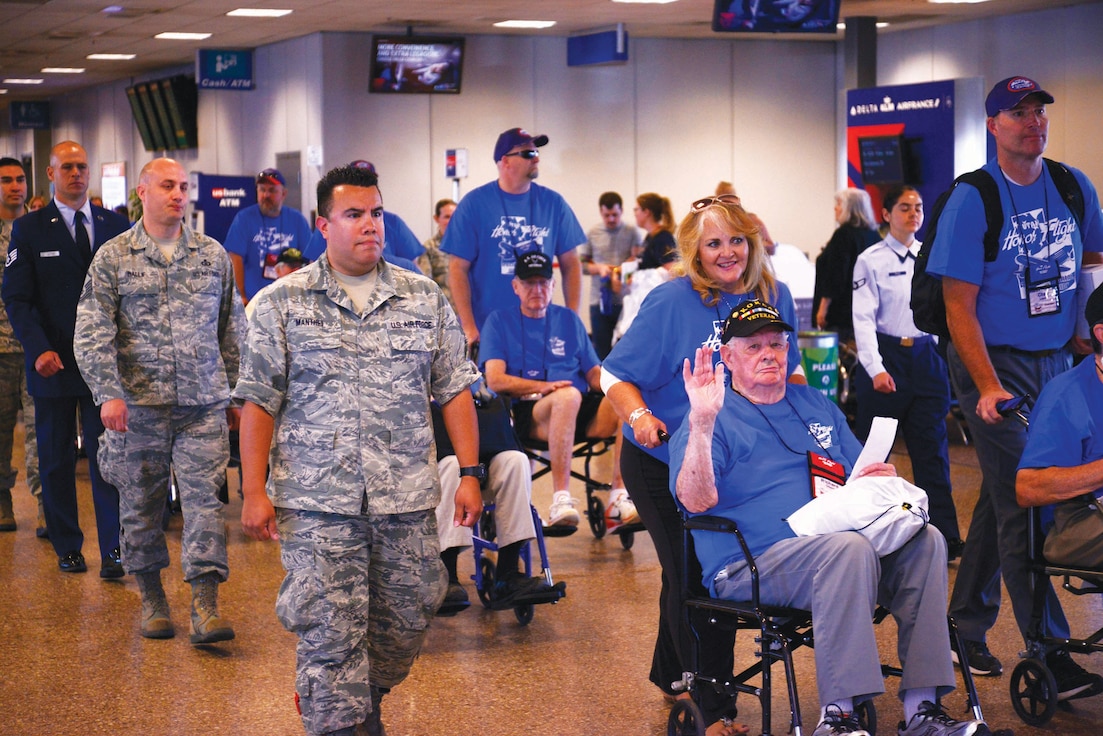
(989, 192)
(1068, 186)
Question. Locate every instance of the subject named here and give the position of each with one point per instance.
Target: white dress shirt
(882, 298)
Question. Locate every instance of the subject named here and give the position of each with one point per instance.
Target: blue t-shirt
(489, 228)
(555, 348)
(1066, 425)
(260, 240)
(760, 461)
(671, 325)
(1038, 228)
(399, 241)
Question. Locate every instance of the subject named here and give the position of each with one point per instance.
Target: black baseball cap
(750, 317)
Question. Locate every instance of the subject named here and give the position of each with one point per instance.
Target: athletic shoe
(932, 720)
(836, 722)
(620, 510)
(521, 590)
(981, 661)
(1073, 681)
(563, 512)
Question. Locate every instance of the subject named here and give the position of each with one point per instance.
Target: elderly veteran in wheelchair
(748, 452)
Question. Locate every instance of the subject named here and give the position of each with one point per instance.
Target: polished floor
(72, 662)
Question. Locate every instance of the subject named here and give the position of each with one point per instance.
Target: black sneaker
(932, 720)
(835, 723)
(1073, 681)
(455, 600)
(954, 548)
(981, 661)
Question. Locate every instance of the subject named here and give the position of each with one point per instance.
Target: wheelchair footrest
(627, 528)
(559, 531)
(546, 595)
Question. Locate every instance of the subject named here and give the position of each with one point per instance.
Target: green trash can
(819, 354)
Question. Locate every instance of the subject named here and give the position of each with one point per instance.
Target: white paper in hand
(882, 435)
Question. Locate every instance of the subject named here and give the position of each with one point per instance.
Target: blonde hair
(857, 209)
(757, 277)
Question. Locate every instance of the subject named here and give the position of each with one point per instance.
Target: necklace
(777, 434)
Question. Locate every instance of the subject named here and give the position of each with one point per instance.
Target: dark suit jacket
(43, 279)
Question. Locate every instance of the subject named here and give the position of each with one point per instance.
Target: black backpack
(928, 307)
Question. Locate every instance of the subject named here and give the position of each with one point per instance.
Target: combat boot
(156, 623)
(206, 625)
(373, 726)
(7, 517)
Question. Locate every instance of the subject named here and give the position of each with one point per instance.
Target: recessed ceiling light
(525, 24)
(3, 91)
(62, 70)
(18, 80)
(110, 57)
(259, 13)
(882, 24)
(172, 36)
(113, 9)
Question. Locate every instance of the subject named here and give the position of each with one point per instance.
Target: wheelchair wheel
(524, 613)
(627, 539)
(1033, 692)
(866, 714)
(486, 525)
(595, 514)
(489, 571)
(685, 720)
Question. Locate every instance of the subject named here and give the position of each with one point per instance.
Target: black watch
(476, 471)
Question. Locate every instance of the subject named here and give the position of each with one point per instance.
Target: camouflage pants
(13, 396)
(360, 593)
(189, 444)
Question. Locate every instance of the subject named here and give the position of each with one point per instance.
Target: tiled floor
(72, 662)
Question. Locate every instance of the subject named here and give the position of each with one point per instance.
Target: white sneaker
(620, 510)
(562, 512)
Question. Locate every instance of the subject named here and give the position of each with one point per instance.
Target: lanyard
(544, 357)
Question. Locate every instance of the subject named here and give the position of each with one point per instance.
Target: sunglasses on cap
(528, 153)
(709, 201)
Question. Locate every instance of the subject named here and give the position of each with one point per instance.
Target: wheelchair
(779, 631)
(586, 449)
(483, 534)
(1033, 687)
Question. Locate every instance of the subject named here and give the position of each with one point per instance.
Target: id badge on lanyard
(1043, 294)
(826, 474)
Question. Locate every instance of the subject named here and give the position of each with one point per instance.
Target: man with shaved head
(47, 260)
(159, 327)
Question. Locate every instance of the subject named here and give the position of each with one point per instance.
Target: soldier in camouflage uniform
(340, 364)
(13, 380)
(159, 327)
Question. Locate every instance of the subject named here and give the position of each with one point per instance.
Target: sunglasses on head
(529, 153)
(709, 201)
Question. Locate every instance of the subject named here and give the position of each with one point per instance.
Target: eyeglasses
(709, 201)
(528, 153)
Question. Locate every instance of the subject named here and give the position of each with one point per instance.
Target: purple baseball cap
(1010, 92)
(516, 137)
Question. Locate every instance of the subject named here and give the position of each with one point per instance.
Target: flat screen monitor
(416, 64)
(775, 16)
(882, 159)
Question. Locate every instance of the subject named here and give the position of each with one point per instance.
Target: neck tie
(81, 233)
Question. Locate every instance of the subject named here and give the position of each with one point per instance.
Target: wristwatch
(475, 471)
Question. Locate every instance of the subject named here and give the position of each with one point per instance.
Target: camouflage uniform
(165, 337)
(13, 396)
(353, 473)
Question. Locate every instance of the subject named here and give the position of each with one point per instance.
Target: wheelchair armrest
(712, 524)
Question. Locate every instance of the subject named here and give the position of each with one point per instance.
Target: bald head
(163, 189)
(68, 170)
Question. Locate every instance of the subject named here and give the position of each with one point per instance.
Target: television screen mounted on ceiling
(776, 16)
(416, 64)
